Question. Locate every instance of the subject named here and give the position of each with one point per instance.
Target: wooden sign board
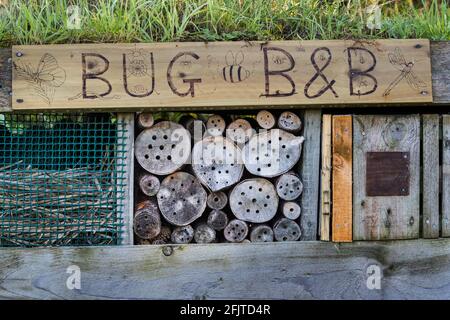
(220, 74)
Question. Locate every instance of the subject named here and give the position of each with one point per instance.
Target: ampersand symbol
(319, 73)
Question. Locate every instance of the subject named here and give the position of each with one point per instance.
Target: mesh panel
(61, 180)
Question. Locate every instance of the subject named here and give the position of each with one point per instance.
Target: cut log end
(265, 119)
(240, 131)
(145, 120)
(290, 122)
(289, 186)
(215, 125)
(163, 237)
(236, 231)
(204, 234)
(147, 221)
(286, 230)
(217, 220)
(149, 184)
(217, 200)
(261, 233)
(291, 210)
(182, 235)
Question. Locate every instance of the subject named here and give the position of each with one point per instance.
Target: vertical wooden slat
(5, 79)
(325, 182)
(342, 178)
(126, 136)
(430, 176)
(310, 173)
(386, 217)
(445, 219)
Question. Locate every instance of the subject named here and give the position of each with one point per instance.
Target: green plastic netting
(61, 181)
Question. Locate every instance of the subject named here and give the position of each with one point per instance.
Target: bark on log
(291, 210)
(266, 119)
(239, 131)
(147, 221)
(272, 153)
(183, 234)
(236, 231)
(261, 233)
(204, 234)
(163, 237)
(289, 186)
(217, 200)
(216, 163)
(163, 148)
(149, 184)
(145, 120)
(181, 198)
(290, 122)
(254, 200)
(217, 219)
(286, 230)
(215, 125)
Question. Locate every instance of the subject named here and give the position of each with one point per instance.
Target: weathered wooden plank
(386, 217)
(341, 214)
(310, 174)
(325, 182)
(440, 62)
(196, 74)
(5, 80)
(126, 205)
(445, 218)
(430, 175)
(414, 269)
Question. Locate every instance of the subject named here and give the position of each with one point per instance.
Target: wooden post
(342, 178)
(430, 175)
(325, 183)
(446, 175)
(310, 174)
(125, 123)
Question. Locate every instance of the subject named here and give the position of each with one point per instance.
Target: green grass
(44, 21)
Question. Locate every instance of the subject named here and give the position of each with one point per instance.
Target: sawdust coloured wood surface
(60, 180)
(386, 217)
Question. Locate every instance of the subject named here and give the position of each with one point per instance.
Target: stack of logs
(216, 179)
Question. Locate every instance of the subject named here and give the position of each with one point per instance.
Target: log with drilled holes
(183, 234)
(239, 131)
(149, 184)
(163, 148)
(290, 122)
(254, 200)
(272, 153)
(289, 186)
(147, 220)
(215, 125)
(217, 219)
(236, 231)
(145, 120)
(266, 119)
(291, 210)
(181, 198)
(286, 230)
(217, 200)
(216, 163)
(204, 234)
(261, 233)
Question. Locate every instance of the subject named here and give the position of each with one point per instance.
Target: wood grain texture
(341, 214)
(430, 176)
(325, 182)
(126, 206)
(5, 80)
(445, 218)
(310, 174)
(414, 269)
(385, 217)
(440, 61)
(214, 74)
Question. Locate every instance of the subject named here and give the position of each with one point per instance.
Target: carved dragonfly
(397, 59)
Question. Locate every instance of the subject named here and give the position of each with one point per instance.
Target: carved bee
(279, 60)
(234, 72)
